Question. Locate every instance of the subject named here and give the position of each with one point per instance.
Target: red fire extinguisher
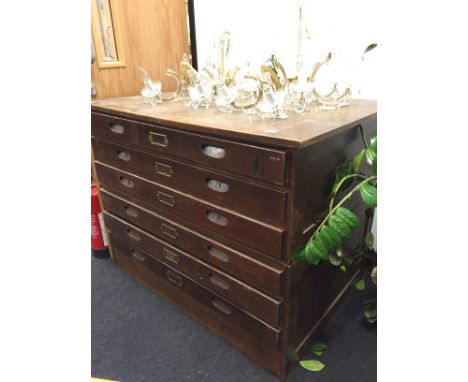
(99, 246)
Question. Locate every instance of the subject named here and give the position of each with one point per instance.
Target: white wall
(261, 27)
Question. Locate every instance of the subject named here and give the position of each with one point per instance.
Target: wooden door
(126, 34)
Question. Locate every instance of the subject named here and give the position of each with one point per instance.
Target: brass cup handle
(116, 128)
(123, 155)
(217, 185)
(226, 309)
(213, 151)
(217, 218)
(137, 255)
(126, 182)
(219, 281)
(218, 254)
(133, 235)
(131, 211)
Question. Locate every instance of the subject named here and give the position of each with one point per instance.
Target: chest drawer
(137, 261)
(263, 203)
(241, 266)
(260, 305)
(116, 129)
(253, 161)
(262, 237)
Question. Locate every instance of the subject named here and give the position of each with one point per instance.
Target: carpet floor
(139, 337)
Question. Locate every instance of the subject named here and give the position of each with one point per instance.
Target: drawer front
(254, 161)
(260, 202)
(227, 259)
(241, 294)
(116, 129)
(219, 307)
(262, 237)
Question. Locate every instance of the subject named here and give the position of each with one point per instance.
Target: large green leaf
(358, 159)
(340, 226)
(322, 246)
(371, 155)
(332, 236)
(374, 167)
(324, 239)
(369, 194)
(314, 252)
(348, 216)
(341, 171)
(312, 364)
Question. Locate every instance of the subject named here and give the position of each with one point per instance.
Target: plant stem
(361, 130)
(340, 203)
(340, 184)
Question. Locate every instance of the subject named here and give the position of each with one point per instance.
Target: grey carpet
(139, 337)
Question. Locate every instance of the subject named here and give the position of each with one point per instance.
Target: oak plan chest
(206, 208)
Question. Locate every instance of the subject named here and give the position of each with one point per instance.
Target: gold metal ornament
(317, 66)
(276, 73)
(333, 99)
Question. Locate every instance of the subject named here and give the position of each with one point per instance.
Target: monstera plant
(357, 176)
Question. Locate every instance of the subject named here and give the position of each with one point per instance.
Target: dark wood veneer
(261, 274)
(261, 305)
(261, 202)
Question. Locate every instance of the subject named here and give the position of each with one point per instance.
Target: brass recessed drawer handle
(172, 277)
(169, 231)
(217, 218)
(131, 211)
(126, 182)
(172, 257)
(138, 255)
(217, 185)
(166, 199)
(218, 254)
(163, 169)
(219, 282)
(123, 155)
(158, 139)
(133, 235)
(221, 306)
(116, 128)
(213, 151)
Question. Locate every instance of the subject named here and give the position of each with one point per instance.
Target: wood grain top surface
(299, 130)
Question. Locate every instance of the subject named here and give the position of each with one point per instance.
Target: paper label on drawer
(103, 228)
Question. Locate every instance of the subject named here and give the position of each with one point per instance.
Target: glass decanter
(151, 90)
